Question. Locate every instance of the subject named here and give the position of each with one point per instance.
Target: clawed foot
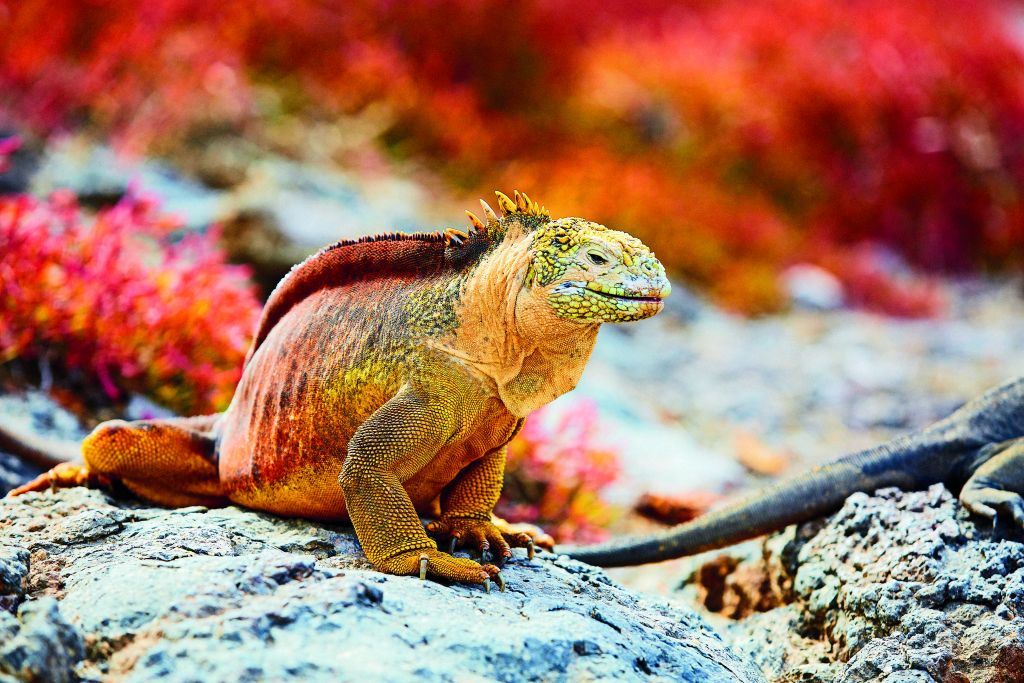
(64, 475)
(493, 541)
(439, 565)
(990, 502)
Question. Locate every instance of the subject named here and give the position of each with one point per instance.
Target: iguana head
(583, 270)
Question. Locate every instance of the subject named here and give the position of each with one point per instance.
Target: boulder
(895, 587)
(102, 588)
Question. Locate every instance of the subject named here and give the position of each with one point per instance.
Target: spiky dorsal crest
(522, 209)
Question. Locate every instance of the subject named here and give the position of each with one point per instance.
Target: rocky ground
(896, 587)
(106, 590)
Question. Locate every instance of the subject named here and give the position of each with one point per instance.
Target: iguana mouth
(627, 297)
(622, 295)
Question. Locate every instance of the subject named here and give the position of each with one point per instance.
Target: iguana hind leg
(997, 484)
(168, 462)
(467, 518)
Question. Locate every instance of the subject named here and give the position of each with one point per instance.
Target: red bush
(124, 299)
(837, 122)
(737, 137)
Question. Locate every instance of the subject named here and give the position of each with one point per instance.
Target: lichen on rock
(230, 594)
(895, 587)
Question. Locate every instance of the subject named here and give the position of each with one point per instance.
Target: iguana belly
(300, 479)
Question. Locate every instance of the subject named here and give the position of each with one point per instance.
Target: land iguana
(386, 377)
(977, 451)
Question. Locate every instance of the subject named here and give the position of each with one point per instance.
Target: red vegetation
(555, 473)
(124, 299)
(736, 137)
(672, 510)
(8, 146)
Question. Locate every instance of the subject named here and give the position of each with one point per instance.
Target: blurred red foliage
(8, 146)
(555, 472)
(677, 509)
(825, 124)
(737, 138)
(124, 299)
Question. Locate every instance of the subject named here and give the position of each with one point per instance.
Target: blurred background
(836, 188)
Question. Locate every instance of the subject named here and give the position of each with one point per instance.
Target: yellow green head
(585, 271)
(593, 274)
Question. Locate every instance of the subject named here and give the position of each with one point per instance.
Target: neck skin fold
(511, 338)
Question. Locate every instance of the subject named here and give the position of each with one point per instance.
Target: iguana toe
(435, 564)
(476, 534)
(523, 535)
(64, 475)
(989, 502)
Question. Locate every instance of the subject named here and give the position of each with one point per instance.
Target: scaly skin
(978, 451)
(385, 379)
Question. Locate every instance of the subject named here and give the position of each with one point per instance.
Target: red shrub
(124, 299)
(842, 122)
(737, 137)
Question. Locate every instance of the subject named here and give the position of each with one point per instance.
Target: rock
(17, 167)
(895, 587)
(99, 176)
(13, 570)
(814, 288)
(231, 594)
(39, 645)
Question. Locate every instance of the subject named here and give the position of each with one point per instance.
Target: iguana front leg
(997, 484)
(388, 448)
(467, 518)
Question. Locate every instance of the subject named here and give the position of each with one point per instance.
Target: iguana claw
(487, 585)
(424, 561)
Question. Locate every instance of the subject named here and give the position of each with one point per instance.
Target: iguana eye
(596, 258)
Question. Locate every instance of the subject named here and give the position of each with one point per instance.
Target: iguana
(386, 377)
(977, 451)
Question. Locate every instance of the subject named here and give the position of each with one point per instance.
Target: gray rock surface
(229, 595)
(895, 587)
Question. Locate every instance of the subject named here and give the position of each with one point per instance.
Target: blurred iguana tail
(39, 451)
(949, 451)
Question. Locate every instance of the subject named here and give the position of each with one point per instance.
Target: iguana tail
(815, 493)
(39, 451)
(948, 451)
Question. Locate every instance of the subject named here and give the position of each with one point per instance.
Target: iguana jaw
(599, 302)
(644, 295)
